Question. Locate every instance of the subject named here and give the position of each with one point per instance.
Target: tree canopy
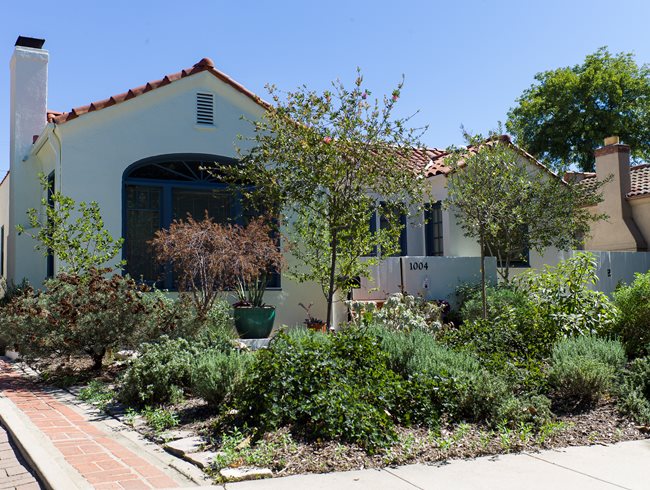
(327, 162)
(565, 115)
(503, 200)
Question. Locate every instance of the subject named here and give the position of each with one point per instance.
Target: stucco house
(139, 155)
(626, 199)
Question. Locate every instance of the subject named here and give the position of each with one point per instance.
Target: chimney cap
(30, 42)
(612, 140)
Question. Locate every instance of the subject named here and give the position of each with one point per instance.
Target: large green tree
(508, 203)
(328, 162)
(564, 116)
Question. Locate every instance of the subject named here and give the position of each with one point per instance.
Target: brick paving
(100, 459)
(14, 471)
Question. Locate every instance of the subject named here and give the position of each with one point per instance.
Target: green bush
(218, 377)
(563, 304)
(77, 315)
(162, 370)
(499, 299)
(634, 392)
(334, 387)
(534, 411)
(584, 368)
(463, 388)
(633, 326)
(400, 312)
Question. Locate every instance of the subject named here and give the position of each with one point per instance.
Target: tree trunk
(483, 288)
(330, 292)
(98, 357)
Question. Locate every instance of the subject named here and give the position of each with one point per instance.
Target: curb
(54, 472)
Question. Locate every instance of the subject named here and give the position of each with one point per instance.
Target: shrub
(562, 302)
(217, 377)
(162, 370)
(334, 387)
(584, 368)
(80, 315)
(401, 312)
(499, 299)
(633, 302)
(534, 411)
(463, 388)
(634, 392)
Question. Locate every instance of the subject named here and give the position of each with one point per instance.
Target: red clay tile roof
(639, 180)
(431, 161)
(206, 64)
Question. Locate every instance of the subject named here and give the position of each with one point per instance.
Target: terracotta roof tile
(639, 180)
(206, 64)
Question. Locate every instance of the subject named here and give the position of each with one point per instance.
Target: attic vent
(205, 109)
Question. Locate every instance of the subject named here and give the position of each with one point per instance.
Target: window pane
(142, 222)
(218, 203)
(433, 229)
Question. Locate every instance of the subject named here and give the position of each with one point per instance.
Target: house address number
(418, 266)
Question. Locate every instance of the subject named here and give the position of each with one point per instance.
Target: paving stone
(241, 474)
(175, 435)
(185, 446)
(202, 459)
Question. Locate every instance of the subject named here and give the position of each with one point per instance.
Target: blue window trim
(167, 186)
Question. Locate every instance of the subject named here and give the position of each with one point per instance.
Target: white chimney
(28, 117)
(28, 100)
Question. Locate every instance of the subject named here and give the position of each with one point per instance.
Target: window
(160, 190)
(379, 221)
(50, 204)
(433, 229)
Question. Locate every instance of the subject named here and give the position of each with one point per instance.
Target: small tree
(506, 204)
(324, 161)
(209, 257)
(82, 243)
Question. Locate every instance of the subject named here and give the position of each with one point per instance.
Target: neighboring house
(626, 200)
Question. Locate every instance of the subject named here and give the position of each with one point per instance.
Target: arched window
(161, 189)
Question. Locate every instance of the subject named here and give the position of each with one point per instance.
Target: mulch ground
(602, 424)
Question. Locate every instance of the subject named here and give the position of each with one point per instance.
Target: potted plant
(313, 323)
(258, 253)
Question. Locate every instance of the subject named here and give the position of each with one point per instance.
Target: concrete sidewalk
(623, 465)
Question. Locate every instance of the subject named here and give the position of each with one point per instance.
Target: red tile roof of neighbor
(431, 161)
(206, 64)
(639, 180)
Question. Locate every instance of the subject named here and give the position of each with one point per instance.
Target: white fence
(429, 277)
(616, 268)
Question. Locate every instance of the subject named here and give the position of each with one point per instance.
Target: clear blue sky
(465, 62)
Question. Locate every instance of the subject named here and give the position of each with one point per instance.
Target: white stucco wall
(98, 146)
(4, 217)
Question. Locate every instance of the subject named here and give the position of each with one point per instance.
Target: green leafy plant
(563, 301)
(97, 393)
(332, 387)
(162, 368)
(80, 315)
(633, 302)
(159, 419)
(80, 244)
(218, 377)
(402, 312)
(583, 369)
(634, 391)
(325, 148)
